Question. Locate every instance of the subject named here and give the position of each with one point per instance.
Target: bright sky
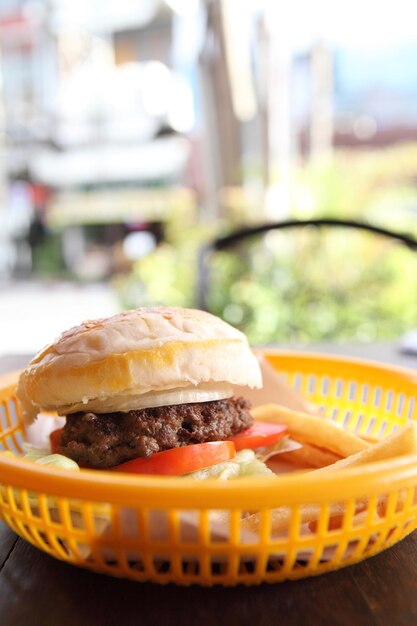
(357, 23)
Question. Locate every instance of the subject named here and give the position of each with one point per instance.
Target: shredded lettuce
(57, 460)
(43, 456)
(32, 453)
(245, 463)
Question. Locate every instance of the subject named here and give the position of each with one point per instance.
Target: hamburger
(140, 383)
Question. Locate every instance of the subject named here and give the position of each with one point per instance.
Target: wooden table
(37, 590)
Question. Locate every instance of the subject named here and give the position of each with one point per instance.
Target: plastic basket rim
(404, 372)
(97, 485)
(291, 488)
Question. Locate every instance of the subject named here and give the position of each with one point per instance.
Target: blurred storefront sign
(161, 159)
(101, 17)
(119, 206)
(17, 28)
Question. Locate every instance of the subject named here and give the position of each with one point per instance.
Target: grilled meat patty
(108, 439)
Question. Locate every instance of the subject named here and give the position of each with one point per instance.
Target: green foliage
(373, 184)
(167, 276)
(310, 286)
(47, 259)
(291, 287)
(313, 286)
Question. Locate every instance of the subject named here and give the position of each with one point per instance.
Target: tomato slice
(55, 439)
(178, 461)
(259, 435)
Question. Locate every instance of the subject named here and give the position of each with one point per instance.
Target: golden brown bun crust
(136, 352)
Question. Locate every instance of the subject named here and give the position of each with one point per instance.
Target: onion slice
(184, 395)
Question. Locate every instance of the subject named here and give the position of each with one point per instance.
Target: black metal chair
(234, 241)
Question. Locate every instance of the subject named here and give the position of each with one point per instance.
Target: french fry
(310, 456)
(400, 443)
(320, 432)
(370, 439)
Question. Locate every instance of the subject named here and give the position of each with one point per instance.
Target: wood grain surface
(37, 590)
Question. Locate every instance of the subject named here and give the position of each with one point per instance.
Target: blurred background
(132, 132)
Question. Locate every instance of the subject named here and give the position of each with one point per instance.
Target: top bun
(106, 365)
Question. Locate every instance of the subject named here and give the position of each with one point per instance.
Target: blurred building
(94, 114)
(355, 98)
(115, 116)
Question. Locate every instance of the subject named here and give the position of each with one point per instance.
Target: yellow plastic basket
(176, 530)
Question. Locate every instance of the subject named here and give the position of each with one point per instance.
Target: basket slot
(11, 432)
(389, 399)
(400, 404)
(334, 414)
(359, 426)
(372, 424)
(352, 390)
(10, 417)
(406, 513)
(188, 527)
(347, 418)
(293, 536)
(117, 530)
(411, 409)
(410, 506)
(3, 419)
(338, 389)
(311, 384)
(248, 567)
(13, 441)
(325, 385)
(214, 528)
(150, 568)
(365, 393)
(158, 526)
(18, 412)
(136, 567)
(14, 413)
(297, 381)
(377, 396)
(21, 431)
(382, 430)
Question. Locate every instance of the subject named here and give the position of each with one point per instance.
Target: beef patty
(108, 439)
